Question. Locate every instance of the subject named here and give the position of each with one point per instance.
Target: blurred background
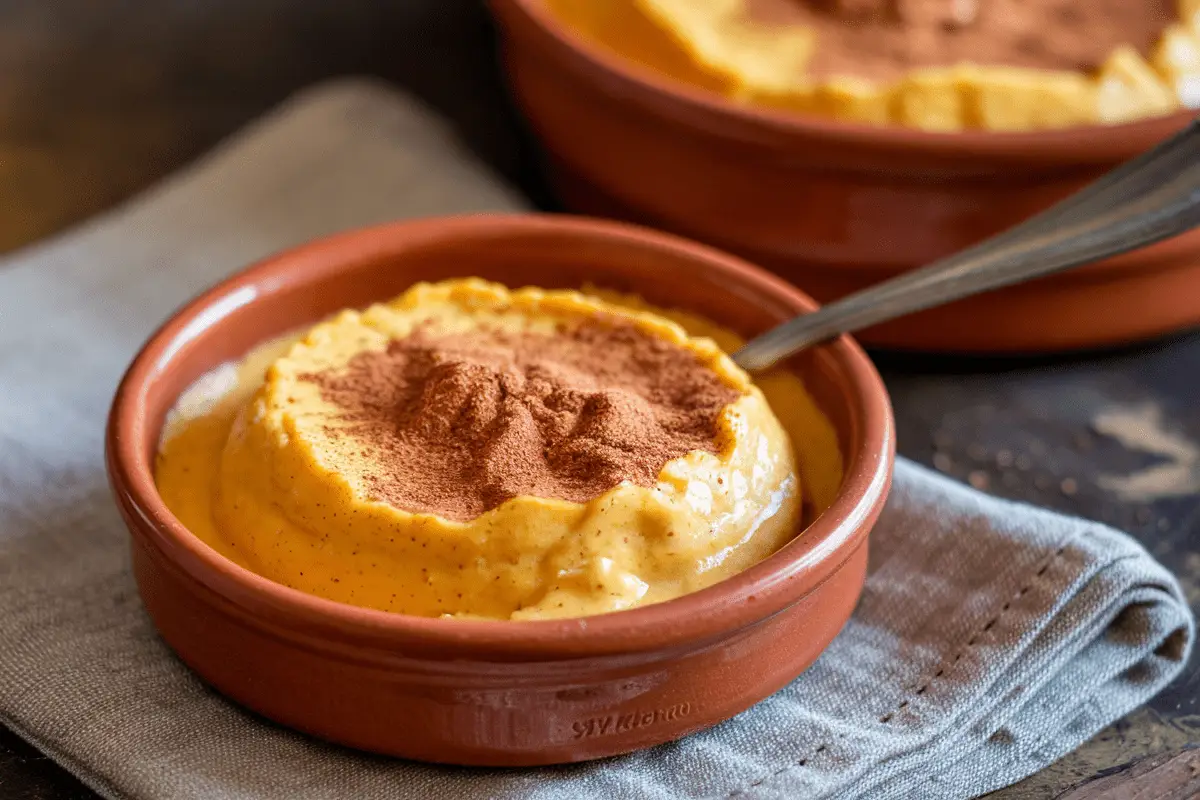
(98, 99)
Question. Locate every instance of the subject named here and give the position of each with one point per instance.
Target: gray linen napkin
(992, 637)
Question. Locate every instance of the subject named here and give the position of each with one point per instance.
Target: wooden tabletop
(100, 99)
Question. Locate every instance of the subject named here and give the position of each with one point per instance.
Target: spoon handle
(1153, 197)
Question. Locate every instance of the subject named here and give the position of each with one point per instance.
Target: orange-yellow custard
(938, 65)
(283, 462)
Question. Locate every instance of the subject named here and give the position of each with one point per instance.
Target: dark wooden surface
(98, 98)
(1169, 776)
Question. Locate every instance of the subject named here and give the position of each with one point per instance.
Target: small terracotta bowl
(835, 207)
(495, 692)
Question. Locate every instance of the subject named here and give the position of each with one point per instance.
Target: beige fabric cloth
(1026, 631)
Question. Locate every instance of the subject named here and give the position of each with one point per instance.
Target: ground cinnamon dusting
(883, 39)
(457, 424)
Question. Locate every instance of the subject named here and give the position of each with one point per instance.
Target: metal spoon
(1152, 197)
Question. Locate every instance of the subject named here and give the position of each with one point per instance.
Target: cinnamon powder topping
(883, 39)
(456, 424)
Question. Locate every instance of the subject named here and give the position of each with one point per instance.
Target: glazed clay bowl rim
(752, 595)
(714, 114)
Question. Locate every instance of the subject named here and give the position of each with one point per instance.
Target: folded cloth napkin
(992, 638)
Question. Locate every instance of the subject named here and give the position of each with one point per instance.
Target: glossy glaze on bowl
(492, 692)
(835, 207)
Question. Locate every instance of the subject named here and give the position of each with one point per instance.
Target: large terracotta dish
(495, 693)
(835, 207)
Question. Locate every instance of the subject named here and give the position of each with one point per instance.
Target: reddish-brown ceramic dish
(484, 692)
(834, 207)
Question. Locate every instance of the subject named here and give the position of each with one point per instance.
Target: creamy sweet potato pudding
(942, 65)
(467, 450)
